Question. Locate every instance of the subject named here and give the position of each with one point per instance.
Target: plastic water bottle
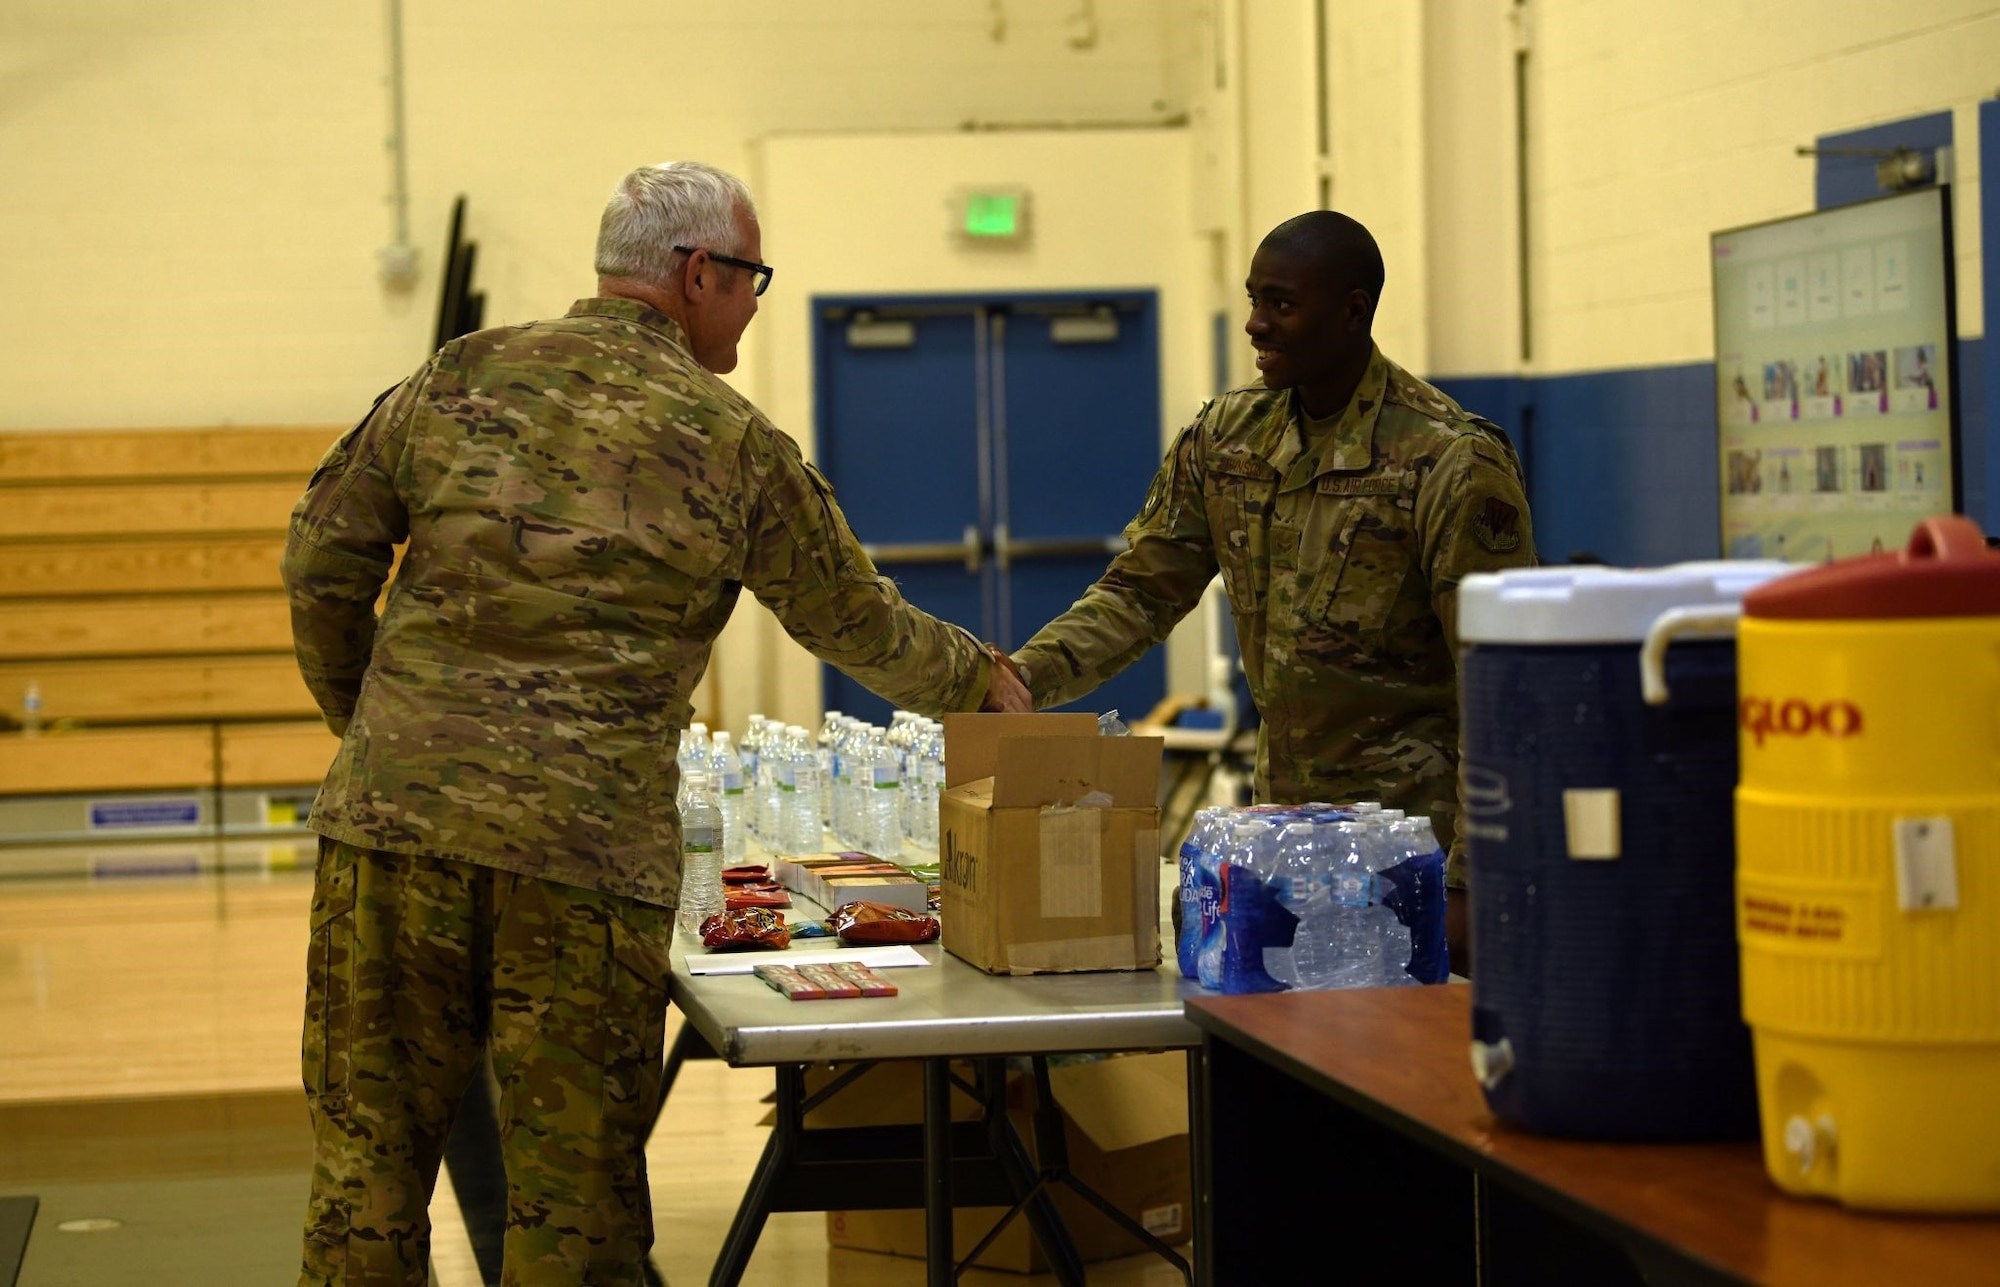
(859, 758)
(808, 830)
(1356, 941)
(840, 782)
(726, 772)
(930, 785)
(691, 755)
(1196, 894)
(824, 752)
(701, 855)
(1247, 916)
(749, 750)
(1414, 890)
(773, 768)
(1302, 881)
(885, 804)
(902, 740)
(1389, 850)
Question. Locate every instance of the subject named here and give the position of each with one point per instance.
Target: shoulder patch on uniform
(1496, 525)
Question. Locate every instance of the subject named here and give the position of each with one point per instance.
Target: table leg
(1029, 1178)
(939, 1259)
(1201, 1160)
(756, 1207)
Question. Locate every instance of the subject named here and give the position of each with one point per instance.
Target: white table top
(945, 1008)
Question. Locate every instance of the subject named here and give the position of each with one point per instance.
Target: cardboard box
(1035, 877)
(1125, 1126)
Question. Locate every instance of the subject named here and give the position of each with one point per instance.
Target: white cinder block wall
(201, 187)
(1651, 126)
(196, 192)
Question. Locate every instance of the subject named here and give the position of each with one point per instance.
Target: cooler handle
(1709, 621)
(1947, 536)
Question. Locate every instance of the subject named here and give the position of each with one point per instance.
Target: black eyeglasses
(761, 272)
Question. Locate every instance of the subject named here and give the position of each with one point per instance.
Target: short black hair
(1339, 245)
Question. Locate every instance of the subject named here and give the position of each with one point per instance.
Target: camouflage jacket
(581, 504)
(1339, 551)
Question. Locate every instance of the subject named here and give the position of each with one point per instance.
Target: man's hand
(1005, 691)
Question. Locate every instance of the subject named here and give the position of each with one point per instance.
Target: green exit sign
(993, 214)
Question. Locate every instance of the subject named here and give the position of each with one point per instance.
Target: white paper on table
(875, 958)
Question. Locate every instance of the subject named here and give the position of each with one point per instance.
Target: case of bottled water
(1311, 896)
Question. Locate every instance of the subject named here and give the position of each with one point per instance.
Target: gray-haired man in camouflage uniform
(581, 500)
(1341, 501)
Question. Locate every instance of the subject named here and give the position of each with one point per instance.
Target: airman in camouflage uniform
(1341, 501)
(580, 501)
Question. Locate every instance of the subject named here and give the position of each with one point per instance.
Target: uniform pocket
(330, 974)
(327, 1224)
(636, 995)
(1239, 516)
(1359, 582)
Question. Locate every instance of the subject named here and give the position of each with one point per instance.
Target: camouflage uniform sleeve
(340, 548)
(1167, 564)
(806, 565)
(1473, 513)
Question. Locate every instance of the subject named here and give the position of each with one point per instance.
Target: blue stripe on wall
(1980, 381)
(1622, 465)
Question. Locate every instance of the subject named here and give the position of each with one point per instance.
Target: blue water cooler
(1599, 765)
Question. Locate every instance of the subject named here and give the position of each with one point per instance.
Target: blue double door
(988, 451)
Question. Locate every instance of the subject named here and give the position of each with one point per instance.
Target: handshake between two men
(1006, 691)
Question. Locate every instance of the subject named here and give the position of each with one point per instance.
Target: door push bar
(1006, 549)
(966, 550)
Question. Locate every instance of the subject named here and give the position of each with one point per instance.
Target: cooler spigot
(1807, 1141)
(1492, 1061)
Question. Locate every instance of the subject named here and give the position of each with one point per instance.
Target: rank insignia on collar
(1496, 525)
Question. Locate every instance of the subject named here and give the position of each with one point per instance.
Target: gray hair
(658, 207)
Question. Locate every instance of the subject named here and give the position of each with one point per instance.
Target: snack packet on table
(861, 922)
(745, 928)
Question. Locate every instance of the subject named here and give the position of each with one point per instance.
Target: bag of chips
(744, 929)
(864, 923)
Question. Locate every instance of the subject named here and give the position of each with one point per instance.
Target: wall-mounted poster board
(1836, 394)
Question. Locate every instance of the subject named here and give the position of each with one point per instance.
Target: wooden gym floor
(149, 1029)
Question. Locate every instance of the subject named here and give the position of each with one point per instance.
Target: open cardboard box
(1033, 878)
(1125, 1125)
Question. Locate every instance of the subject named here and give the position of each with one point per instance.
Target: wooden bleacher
(139, 590)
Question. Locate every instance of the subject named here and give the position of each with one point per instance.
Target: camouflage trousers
(417, 967)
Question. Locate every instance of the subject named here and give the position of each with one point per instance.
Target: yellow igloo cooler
(1868, 873)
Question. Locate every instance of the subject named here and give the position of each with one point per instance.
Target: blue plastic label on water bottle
(1248, 919)
(1414, 889)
